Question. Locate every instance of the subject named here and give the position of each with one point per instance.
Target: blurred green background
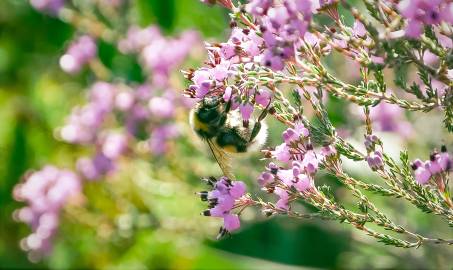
(36, 96)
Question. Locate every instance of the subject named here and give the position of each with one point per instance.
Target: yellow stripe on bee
(198, 125)
(230, 148)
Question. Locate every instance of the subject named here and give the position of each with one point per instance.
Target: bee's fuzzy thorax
(195, 123)
(206, 122)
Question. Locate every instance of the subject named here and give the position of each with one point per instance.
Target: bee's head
(211, 102)
(211, 110)
(209, 116)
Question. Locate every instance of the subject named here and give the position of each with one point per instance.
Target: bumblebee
(225, 132)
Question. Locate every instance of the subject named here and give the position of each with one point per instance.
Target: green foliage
(163, 11)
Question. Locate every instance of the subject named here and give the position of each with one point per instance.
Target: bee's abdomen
(231, 141)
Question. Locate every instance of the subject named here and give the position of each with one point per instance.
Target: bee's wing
(222, 158)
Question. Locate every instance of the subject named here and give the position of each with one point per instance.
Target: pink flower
(422, 174)
(246, 110)
(225, 202)
(272, 61)
(291, 135)
(282, 202)
(238, 189)
(303, 183)
(227, 51)
(375, 160)
(161, 107)
(231, 222)
(51, 6)
(220, 72)
(45, 192)
(310, 162)
(301, 129)
(445, 41)
(447, 13)
(265, 178)
(408, 8)
(328, 151)
(114, 145)
(433, 165)
(124, 100)
(390, 118)
(263, 97)
(160, 136)
(421, 12)
(281, 153)
(286, 176)
(79, 53)
(227, 94)
(377, 59)
(359, 29)
(222, 199)
(311, 39)
(437, 164)
(87, 169)
(258, 7)
(414, 29)
(444, 159)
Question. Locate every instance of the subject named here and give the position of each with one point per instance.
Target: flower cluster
(80, 52)
(277, 45)
(54, 6)
(374, 158)
(390, 118)
(151, 46)
(84, 121)
(45, 192)
(282, 26)
(118, 121)
(51, 6)
(225, 3)
(356, 43)
(144, 112)
(421, 12)
(277, 35)
(110, 148)
(301, 162)
(223, 64)
(222, 200)
(437, 165)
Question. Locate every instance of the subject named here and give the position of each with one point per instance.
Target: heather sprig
(275, 66)
(276, 46)
(45, 192)
(119, 121)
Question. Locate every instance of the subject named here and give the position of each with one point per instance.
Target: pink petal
(231, 222)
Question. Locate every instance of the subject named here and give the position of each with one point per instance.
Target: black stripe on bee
(230, 138)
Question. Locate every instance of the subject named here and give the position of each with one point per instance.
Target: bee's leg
(228, 106)
(257, 127)
(223, 115)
